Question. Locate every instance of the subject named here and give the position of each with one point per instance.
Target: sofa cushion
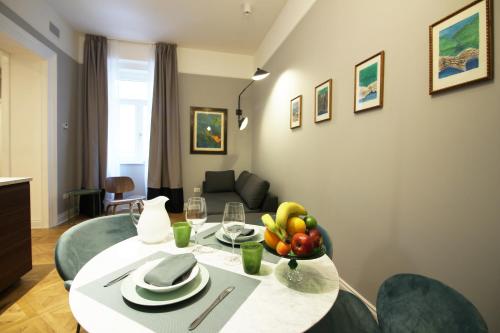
(240, 183)
(254, 191)
(217, 201)
(219, 181)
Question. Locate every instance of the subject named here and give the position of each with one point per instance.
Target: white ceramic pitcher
(153, 225)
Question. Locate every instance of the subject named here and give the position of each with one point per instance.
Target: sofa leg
(77, 328)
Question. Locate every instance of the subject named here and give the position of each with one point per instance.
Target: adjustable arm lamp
(243, 121)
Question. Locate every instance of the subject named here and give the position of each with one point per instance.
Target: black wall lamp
(260, 74)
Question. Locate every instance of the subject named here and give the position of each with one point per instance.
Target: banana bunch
(273, 227)
(286, 210)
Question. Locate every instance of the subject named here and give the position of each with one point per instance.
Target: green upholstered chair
(348, 315)
(82, 242)
(327, 241)
(415, 303)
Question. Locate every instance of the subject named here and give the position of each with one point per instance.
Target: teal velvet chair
(327, 241)
(84, 241)
(348, 315)
(417, 304)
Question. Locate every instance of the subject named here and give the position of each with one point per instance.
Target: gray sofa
(220, 187)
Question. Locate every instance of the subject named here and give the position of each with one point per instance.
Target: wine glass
(233, 223)
(196, 215)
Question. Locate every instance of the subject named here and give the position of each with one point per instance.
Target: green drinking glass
(251, 253)
(182, 233)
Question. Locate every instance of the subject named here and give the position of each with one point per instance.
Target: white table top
(4, 181)
(272, 307)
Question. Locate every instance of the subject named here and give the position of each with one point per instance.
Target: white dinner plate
(140, 273)
(258, 236)
(135, 294)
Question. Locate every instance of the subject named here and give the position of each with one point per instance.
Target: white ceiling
(218, 25)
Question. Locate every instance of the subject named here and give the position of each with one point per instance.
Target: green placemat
(212, 241)
(177, 317)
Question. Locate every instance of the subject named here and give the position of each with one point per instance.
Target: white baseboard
(347, 287)
(36, 224)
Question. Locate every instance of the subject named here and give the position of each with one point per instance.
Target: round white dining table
(274, 306)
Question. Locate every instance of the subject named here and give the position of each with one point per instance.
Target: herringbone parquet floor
(38, 302)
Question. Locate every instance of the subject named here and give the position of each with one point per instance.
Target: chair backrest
(415, 303)
(327, 241)
(119, 185)
(82, 242)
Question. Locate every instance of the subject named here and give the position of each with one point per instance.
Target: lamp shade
(260, 74)
(242, 123)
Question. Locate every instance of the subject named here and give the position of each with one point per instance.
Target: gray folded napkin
(171, 269)
(245, 232)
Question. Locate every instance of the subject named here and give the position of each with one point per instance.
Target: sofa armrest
(203, 186)
(270, 203)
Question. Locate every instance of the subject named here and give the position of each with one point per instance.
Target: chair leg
(107, 209)
(77, 328)
(114, 210)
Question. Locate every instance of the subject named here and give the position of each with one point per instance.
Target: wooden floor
(39, 302)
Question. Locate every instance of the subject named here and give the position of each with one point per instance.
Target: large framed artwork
(460, 49)
(208, 130)
(323, 101)
(369, 83)
(296, 112)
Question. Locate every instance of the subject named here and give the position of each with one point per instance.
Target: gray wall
(215, 92)
(67, 110)
(414, 187)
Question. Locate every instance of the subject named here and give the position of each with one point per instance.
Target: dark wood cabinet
(15, 233)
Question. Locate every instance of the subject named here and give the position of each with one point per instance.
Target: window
(133, 100)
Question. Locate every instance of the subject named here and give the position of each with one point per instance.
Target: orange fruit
(283, 248)
(295, 225)
(271, 239)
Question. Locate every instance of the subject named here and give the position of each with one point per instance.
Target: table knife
(205, 313)
(209, 235)
(118, 279)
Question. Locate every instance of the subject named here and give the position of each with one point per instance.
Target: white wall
(413, 187)
(4, 116)
(28, 105)
(38, 14)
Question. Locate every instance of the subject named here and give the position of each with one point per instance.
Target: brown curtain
(164, 173)
(94, 111)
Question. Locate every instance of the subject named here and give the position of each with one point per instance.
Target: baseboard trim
(347, 287)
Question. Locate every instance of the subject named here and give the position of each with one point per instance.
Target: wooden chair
(118, 186)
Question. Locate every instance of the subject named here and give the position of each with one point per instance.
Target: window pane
(128, 131)
(133, 90)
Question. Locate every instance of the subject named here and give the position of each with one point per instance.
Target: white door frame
(49, 124)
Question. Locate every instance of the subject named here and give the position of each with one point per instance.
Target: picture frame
(460, 48)
(208, 130)
(369, 83)
(296, 112)
(323, 101)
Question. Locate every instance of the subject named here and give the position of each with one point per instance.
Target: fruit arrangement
(294, 233)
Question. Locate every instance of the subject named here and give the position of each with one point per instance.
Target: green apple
(311, 222)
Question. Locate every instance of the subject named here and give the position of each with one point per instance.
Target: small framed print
(323, 101)
(208, 130)
(369, 83)
(296, 112)
(460, 49)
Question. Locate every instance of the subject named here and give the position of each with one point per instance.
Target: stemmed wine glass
(233, 223)
(196, 215)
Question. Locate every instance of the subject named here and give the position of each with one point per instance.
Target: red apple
(316, 236)
(302, 244)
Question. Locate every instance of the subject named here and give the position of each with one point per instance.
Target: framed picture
(460, 50)
(323, 101)
(296, 112)
(369, 83)
(208, 130)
